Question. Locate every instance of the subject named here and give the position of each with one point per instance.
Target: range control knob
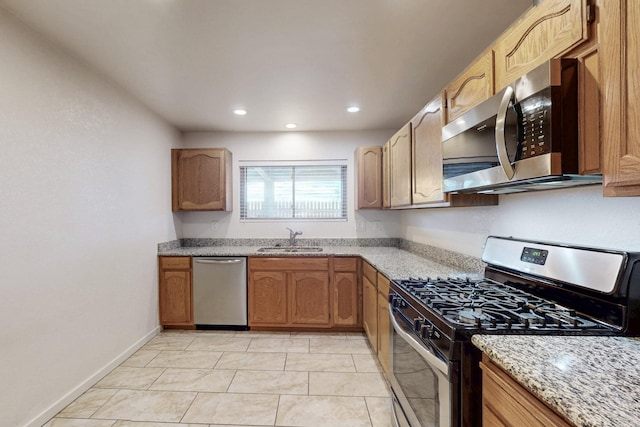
(426, 331)
(417, 323)
(397, 301)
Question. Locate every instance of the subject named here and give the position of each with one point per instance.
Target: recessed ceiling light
(291, 125)
(239, 112)
(353, 109)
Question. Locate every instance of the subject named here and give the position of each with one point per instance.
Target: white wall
(578, 216)
(288, 146)
(84, 200)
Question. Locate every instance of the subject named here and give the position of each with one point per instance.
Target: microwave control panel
(535, 125)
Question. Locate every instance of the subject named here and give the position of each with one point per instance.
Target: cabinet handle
(217, 261)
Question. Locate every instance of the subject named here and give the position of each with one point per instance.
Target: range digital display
(534, 256)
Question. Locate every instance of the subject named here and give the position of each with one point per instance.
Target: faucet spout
(292, 236)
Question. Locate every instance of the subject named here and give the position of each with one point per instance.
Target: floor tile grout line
(189, 407)
(231, 382)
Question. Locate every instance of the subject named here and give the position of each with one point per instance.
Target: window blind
(293, 192)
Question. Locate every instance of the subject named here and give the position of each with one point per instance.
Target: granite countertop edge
(593, 381)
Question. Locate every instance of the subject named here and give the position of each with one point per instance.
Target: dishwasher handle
(217, 261)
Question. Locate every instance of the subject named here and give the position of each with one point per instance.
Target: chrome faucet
(292, 236)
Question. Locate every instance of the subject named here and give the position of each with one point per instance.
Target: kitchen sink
(290, 249)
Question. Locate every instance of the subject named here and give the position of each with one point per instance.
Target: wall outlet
(214, 225)
(361, 225)
(377, 225)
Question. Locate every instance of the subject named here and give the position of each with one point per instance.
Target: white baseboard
(62, 403)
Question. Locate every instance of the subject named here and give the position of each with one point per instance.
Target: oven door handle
(423, 350)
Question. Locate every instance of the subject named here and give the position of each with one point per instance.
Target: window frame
(342, 163)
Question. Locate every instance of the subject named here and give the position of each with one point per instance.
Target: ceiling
(285, 61)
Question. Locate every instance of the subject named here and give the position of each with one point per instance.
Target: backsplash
(442, 256)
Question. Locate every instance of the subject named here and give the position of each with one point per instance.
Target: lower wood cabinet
(375, 309)
(268, 298)
(346, 299)
(505, 403)
(384, 324)
(370, 311)
(304, 292)
(175, 293)
(309, 301)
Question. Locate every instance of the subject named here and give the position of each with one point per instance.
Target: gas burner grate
(486, 304)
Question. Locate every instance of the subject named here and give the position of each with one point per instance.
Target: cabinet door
(310, 298)
(400, 168)
(175, 297)
(386, 172)
(345, 299)
(369, 175)
(507, 403)
(384, 332)
(470, 88)
(267, 297)
(620, 60)
(544, 32)
(426, 154)
(370, 312)
(199, 179)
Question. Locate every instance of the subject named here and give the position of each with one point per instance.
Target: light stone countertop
(592, 381)
(392, 262)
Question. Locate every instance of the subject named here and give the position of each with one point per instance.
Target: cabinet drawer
(345, 264)
(383, 285)
(369, 272)
(175, 262)
(289, 263)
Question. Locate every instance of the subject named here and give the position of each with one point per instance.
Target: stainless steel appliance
(220, 292)
(528, 288)
(524, 138)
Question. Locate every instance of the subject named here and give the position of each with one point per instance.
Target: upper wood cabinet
(470, 88)
(369, 177)
(543, 32)
(426, 154)
(201, 179)
(397, 173)
(619, 61)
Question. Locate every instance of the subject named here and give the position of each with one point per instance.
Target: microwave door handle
(501, 144)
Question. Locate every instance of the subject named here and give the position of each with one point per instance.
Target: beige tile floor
(226, 378)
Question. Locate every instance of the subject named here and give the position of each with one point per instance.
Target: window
(293, 192)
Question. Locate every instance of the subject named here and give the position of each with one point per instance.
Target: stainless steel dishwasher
(220, 292)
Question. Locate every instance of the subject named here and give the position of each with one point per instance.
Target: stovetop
(484, 304)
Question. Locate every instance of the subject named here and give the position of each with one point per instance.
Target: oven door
(423, 391)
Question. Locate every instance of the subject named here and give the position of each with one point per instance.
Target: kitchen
(86, 174)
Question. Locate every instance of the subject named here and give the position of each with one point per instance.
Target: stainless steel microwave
(524, 138)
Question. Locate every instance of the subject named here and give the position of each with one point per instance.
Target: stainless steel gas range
(528, 288)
